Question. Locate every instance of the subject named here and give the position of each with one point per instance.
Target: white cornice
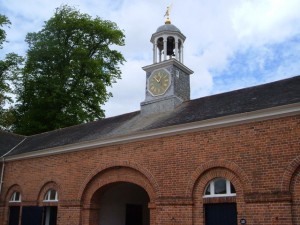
(259, 115)
(167, 33)
(166, 63)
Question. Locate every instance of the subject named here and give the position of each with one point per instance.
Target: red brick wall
(261, 159)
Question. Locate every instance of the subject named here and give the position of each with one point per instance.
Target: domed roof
(168, 27)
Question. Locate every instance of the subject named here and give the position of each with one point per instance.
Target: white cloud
(129, 91)
(258, 22)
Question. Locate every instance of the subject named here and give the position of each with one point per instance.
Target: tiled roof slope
(8, 141)
(74, 134)
(265, 96)
(250, 99)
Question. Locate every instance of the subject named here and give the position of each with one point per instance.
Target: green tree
(70, 63)
(9, 68)
(3, 21)
(4, 87)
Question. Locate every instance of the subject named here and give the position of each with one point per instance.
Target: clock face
(159, 82)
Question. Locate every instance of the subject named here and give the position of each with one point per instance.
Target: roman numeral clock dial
(159, 82)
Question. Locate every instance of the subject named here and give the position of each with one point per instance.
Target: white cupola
(167, 43)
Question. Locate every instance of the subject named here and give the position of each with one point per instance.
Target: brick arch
(205, 177)
(11, 190)
(120, 164)
(289, 173)
(113, 175)
(295, 192)
(213, 173)
(102, 180)
(227, 165)
(45, 187)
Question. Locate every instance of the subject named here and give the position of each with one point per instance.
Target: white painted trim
(15, 201)
(219, 195)
(50, 200)
(48, 196)
(14, 196)
(167, 63)
(212, 190)
(259, 115)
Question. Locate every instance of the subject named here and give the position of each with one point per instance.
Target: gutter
(3, 163)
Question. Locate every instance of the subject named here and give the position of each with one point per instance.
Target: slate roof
(265, 96)
(8, 141)
(250, 99)
(167, 27)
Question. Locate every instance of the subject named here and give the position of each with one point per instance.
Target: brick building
(226, 159)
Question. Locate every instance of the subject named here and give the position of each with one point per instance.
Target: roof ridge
(248, 88)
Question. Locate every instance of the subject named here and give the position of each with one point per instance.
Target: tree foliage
(9, 68)
(4, 87)
(70, 63)
(3, 21)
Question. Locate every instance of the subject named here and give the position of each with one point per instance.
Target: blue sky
(259, 65)
(231, 44)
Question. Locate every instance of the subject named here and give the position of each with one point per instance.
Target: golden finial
(167, 14)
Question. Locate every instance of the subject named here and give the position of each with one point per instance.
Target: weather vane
(167, 14)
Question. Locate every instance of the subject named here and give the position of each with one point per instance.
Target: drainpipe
(2, 173)
(3, 163)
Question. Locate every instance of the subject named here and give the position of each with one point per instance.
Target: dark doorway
(32, 215)
(220, 214)
(122, 203)
(14, 215)
(134, 214)
(35, 215)
(50, 215)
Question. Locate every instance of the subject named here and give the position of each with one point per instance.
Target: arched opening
(50, 212)
(120, 203)
(170, 46)
(167, 47)
(14, 208)
(220, 211)
(160, 47)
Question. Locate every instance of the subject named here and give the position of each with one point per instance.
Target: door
(134, 214)
(14, 214)
(32, 215)
(220, 214)
(50, 215)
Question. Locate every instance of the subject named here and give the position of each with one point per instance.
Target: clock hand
(159, 75)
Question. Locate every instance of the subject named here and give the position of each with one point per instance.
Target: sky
(230, 44)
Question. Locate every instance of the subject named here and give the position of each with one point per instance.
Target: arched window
(14, 208)
(219, 187)
(15, 197)
(51, 196)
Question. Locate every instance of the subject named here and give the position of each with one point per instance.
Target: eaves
(225, 121)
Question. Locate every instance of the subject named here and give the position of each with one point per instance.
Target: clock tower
(167, 79)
